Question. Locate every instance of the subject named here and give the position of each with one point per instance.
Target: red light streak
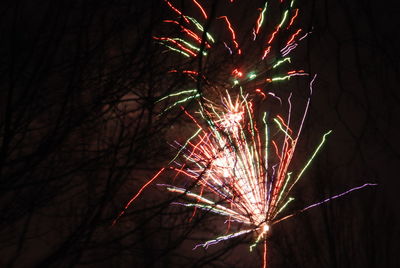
(283, 123)
(259, 91)
(189, 32)
(176, 43)
(293, 37)
(237, 73)
(273, 36)
(265, 254)
(201, 8)
(293, 18)
(176, 10)
(232, 32)
(266, 52)
(138, 194)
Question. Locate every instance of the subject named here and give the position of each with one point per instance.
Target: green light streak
(285, 205)
(189, 45)
(215, 206)
(280, 62)
(284, 187)
(178, 94)
(312, 157)
(176, 50)
(255, 243)
(182, 101)
(282, 129)
(280, 78)
(284, 18)
(184, 146)
(252, 76)
(200, 27)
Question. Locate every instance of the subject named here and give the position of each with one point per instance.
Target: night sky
(81, 131)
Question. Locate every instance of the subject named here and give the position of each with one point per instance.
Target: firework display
(237, 163)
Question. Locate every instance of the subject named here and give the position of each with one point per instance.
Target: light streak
(237, 73)
(287, 49)
(326, 200)
(259, 91)
(176, 10)
(339, 195)
(293, 18)
(176, 50)
(222, 238)
(283, 18)
(273, 36)
(189, 32)
(251, 76)
(182, 101)
(266, 52)
(228, 48)
(311, 158)
(293, 37)
(265, 254)
(183, 92)
(201, 9)
(260, 19)
(175, 42)
(280, 62)
(138, 194)
(200, 27)
(232, 33)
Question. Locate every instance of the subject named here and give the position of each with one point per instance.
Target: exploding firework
(236, 167)
(233, 158)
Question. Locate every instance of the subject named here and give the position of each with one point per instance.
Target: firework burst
(233, 158)
(237, 160)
